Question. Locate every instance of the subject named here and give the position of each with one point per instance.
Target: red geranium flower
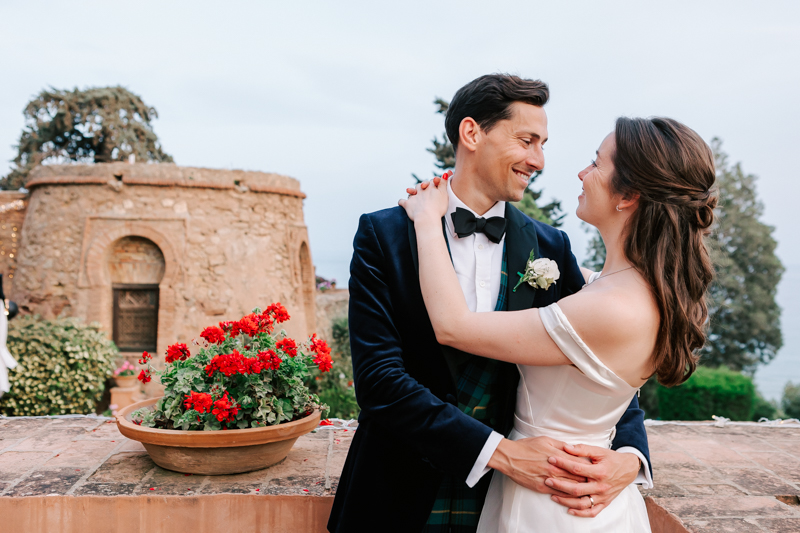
(225, 409)
(145, 358)
(288, 346)
(213, 335)
(226, 326)
(249, 325)
(270, 360)
(229, 364)
(278, 311)
(176, 352)
(322, 351)
(144, 376)
(199, 401)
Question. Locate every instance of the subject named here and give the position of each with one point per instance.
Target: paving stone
(680, 468)
(713, 453)
(660, 443)
(126, 467)
(725, 507)
(44, 482)
(664, 490)
(51, 440)
(722, 525)
(105, 489)
(789, 446)
(759, 482)
(8, 444)
(783, 464)
(297, 486)
(16, 429)
(245, 483)
(86, 423)
(82, 454)
(106, 431)
(780, 525)
(15, 464)
(718, 489)
(168, 482)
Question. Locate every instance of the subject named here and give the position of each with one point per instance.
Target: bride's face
(596, 202)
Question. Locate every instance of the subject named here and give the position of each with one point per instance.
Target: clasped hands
(583, 478)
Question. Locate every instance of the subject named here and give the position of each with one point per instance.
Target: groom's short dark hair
(487, 100)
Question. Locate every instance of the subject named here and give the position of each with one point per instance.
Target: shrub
(336, 387)
(764, 408)
(63, 366)
(791, 400)
(710, 391)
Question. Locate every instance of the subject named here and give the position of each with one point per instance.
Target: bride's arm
(515, 337)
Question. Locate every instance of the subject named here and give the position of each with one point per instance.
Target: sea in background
(771, 378)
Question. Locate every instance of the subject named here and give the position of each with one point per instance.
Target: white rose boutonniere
(539, 273)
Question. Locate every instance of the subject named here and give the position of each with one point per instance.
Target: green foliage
(335, 388)
(63, 366)
(648, 398)
(791, 400)
(94, 125)
(764, 408)
(445, 156)
(744, 316)
(596, 250)
(709, 391)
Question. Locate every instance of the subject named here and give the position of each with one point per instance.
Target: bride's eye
(594, 163)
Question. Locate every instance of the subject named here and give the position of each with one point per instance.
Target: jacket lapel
(520, 240)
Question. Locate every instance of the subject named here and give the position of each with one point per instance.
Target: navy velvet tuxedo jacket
(410, 431)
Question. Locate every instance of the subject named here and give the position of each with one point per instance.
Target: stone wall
(13, 206)
(228, 241)
(332, 305)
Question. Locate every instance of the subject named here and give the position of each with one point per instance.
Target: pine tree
(445, 156)
(93, 125)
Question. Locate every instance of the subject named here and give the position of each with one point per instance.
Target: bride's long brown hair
(672, 170)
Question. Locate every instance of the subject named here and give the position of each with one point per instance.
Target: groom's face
(511, 151)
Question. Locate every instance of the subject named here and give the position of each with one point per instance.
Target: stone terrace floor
(741, 477)
(744, 477)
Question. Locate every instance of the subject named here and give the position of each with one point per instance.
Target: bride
(582, 359)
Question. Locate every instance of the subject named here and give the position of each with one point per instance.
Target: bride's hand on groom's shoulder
(428, 201)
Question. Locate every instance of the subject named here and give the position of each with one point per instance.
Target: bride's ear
(628, 201)
(469, 133)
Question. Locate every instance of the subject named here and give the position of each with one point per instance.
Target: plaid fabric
(458, 507)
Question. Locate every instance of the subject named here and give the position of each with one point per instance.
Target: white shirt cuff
(480, 468)
(644, 478)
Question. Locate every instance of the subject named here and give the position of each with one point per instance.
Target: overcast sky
(339, 94)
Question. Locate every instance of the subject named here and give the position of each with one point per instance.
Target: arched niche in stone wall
(307, 287)
(136, 267)
(101, 236)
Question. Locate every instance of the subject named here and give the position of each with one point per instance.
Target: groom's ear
(469, 133)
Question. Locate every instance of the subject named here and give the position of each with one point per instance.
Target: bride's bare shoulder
(614, 315)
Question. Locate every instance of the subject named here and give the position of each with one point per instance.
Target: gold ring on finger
(591, 500)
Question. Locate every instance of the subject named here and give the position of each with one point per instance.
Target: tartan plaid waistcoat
(457, 507)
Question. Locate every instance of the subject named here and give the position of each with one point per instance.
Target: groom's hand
(608, 474)
(525, 461)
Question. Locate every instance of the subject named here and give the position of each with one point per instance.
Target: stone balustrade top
(743, 478)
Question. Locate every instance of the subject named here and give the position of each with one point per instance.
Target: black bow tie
(465, 224)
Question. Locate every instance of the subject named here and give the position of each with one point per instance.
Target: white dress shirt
(477, 262)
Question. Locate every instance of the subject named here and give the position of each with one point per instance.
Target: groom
(433, 419)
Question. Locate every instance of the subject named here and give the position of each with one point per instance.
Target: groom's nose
(535, 158)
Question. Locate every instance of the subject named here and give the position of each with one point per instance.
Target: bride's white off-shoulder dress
(578, 404)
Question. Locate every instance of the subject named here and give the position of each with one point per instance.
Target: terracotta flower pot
(215, 452)
(125, 382)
